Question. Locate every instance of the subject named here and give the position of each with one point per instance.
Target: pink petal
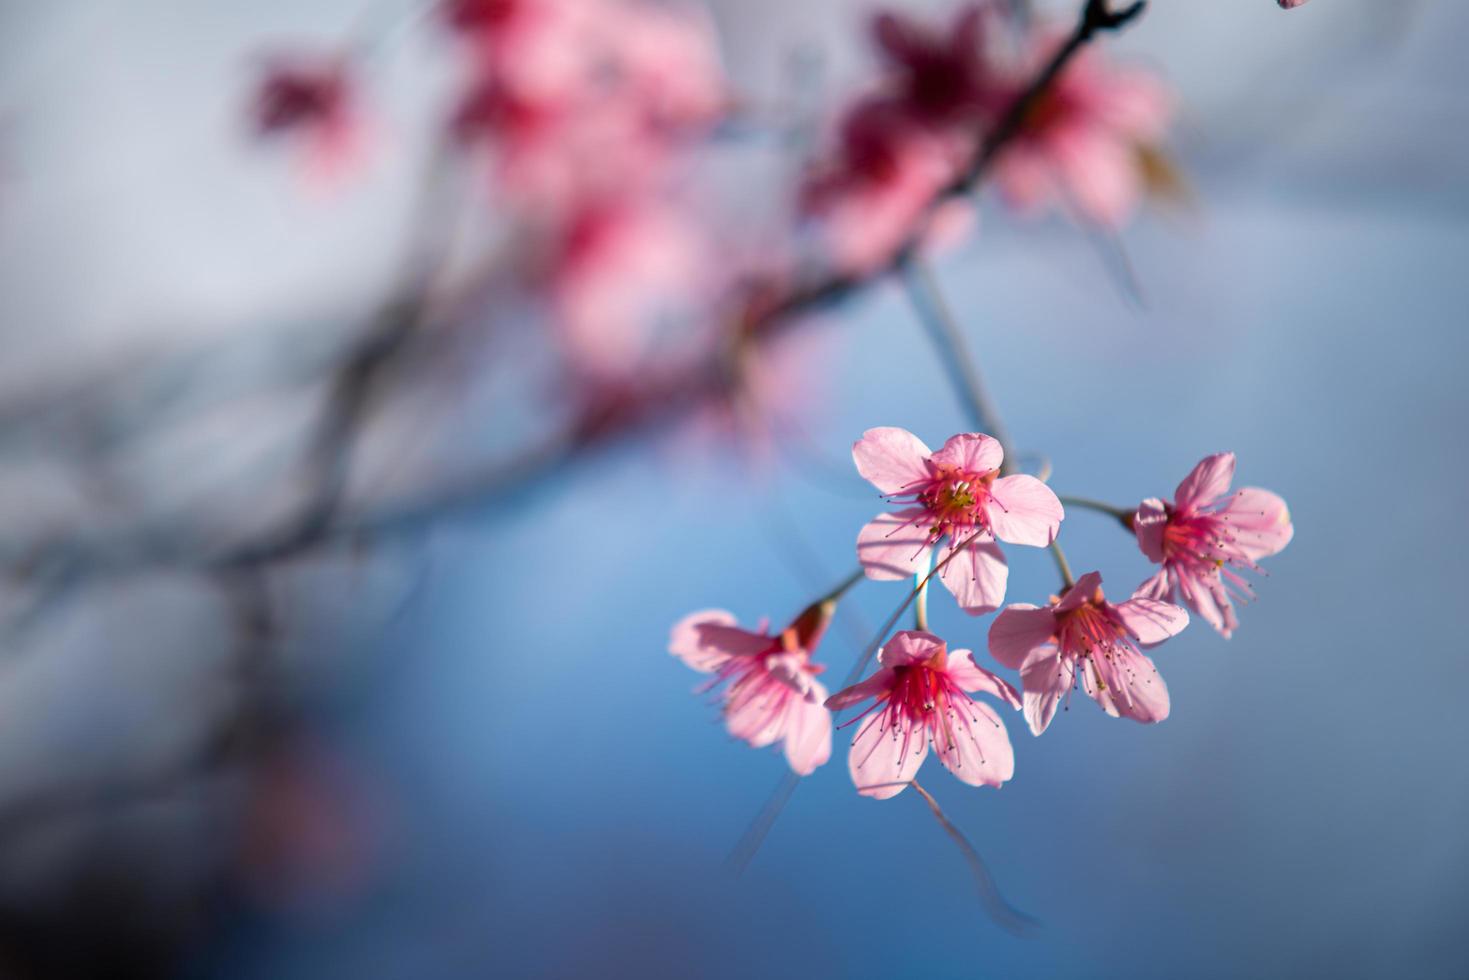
(973, 452)
(1155, 587)
(1136, 104)
(1149, 523)
(1018, 630)
(1206, 595)
(974, 745)
(1046, 677)
(966, 672)
(808, 736)
(977, 578)
(1260, 521)
(1023, 510)
(882, 761)
(689, 639)
(1098, 169)
(891, 459)
(1134, 689)
(1205, 483)
(894, 546)
(761, 719)
(789, 669)
(875, 686)
(1151, 621)
(1084, 590)
(909, 647)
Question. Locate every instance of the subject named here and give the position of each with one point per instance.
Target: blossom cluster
(958, 505)
(593, 122)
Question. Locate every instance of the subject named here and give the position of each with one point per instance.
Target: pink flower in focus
(1087, 141)
(956, 493)
(770, 689)
(311, 99)
(1205, 533)
(1084, 633)
(921, 699)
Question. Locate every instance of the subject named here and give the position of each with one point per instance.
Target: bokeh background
(492, 767)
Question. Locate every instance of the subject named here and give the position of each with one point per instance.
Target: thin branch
(1009, 918)
(963, 371)
(660, 401)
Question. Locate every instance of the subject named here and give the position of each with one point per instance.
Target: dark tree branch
(766, 312)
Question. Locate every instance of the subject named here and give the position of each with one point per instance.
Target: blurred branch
(767, 311)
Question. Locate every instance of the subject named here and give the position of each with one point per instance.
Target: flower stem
(1086, 503)
(1009, 918)
(1062, 565)
(920, 605)
(856, 672)
(844, 587)
(937, 318)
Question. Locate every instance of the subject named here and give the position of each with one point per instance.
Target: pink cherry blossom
(614, 264)
(770, 692)
(921, 698)
(941, 76)
(1082, 633)
(1289, 4)
(1084, 143)
(955, 493)
(310, 99)
(1204, 534)
(872, 194)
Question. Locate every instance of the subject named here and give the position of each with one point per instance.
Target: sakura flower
(770, 689)
(1289, 4)
(1082, 632)
(615, 271)
(1089, 141)
(875, 191)
(311, 100)
(941, 76)
(536, 48)
(1204, 534)
(955, 493)
(667, 59)
(921, 698)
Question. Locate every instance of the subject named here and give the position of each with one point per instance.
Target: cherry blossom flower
(1289, 4)
(770, 692)
(1089, 141)
(955, 493)
(920, 696)
(941, 77)
(1204, 534)
(614, 265)
(1082, 633)
(666, 58)
(872, 194)
(311, 99)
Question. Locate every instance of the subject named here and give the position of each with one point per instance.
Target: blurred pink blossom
(1083, 632)
(958, 493)
(920, 696)
(1087, 141)
(940, 76)
(770, 689)
(310, 99)
(1205, 533)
